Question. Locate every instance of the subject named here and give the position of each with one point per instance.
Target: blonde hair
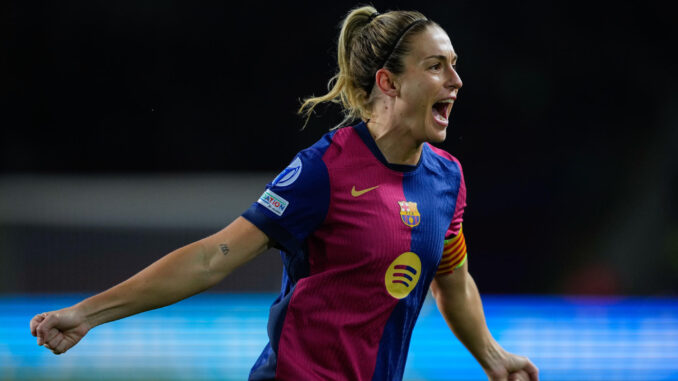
(367, 42)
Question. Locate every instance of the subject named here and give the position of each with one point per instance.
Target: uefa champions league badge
(289, 174)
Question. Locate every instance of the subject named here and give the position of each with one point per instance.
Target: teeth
(446, 101)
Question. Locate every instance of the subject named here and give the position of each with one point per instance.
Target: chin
(435, 133)
(437, 136)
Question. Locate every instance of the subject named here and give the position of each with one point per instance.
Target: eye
(436, 66)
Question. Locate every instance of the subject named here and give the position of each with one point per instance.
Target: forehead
(433, 41)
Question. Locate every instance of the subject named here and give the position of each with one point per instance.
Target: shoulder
(336, 139)
(316, 156)
(338, 147)
(444, 158)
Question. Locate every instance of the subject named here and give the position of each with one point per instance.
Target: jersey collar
(364, 133)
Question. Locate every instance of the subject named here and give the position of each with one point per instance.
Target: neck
(395, 141)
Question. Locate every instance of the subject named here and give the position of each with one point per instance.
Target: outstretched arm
(182, 273)
(459, 302)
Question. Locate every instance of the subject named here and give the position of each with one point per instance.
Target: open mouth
(441, 111)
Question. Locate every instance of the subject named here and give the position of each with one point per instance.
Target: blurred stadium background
(131, 129)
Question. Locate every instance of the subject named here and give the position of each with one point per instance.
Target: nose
(454, 80)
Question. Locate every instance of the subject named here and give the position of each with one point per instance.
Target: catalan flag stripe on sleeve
(454, 254)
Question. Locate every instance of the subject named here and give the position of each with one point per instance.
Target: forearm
(178, 275)
(462, 309)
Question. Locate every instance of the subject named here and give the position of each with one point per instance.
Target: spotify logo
(402, 275)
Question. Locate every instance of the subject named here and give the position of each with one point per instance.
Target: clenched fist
(59, 330)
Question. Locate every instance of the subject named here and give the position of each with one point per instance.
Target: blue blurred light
(219, 336)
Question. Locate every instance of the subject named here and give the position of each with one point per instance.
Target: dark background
(566, 126)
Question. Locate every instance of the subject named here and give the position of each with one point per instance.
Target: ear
(387, 82)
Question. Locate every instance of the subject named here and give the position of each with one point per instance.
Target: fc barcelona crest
(409, 213)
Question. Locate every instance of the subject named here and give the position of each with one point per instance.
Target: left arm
(459, 302)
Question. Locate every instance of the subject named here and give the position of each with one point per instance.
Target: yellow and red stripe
(454, 254)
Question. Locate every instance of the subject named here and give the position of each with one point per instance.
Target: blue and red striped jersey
(361, 241)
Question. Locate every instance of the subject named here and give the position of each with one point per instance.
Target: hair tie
(372, 17)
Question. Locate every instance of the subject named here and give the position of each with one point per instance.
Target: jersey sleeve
(459, 206)
(454, 249)
(294, 203)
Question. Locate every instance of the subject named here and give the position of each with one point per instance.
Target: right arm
(182, 273)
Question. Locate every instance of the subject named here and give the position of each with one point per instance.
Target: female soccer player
(368, 219)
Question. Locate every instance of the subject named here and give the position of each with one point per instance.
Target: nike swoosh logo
(359, 193)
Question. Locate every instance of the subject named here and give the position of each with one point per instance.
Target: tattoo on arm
(224, 248)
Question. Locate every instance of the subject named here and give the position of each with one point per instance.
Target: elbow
(206, 272)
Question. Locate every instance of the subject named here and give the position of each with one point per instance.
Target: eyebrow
(442, 57)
